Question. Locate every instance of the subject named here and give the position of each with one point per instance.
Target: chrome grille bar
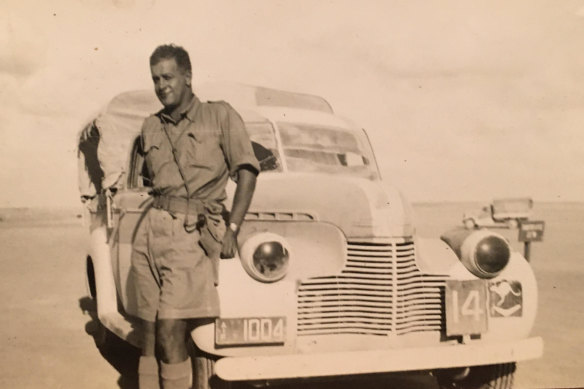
(380, 291)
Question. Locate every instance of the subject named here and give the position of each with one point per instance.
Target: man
(191, 149)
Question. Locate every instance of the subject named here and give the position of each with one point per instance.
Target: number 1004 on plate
(250, 331)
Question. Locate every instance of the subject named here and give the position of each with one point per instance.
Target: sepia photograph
(291, 193)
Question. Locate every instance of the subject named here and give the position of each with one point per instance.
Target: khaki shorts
(171, 275)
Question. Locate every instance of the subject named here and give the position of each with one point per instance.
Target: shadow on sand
(119, 354)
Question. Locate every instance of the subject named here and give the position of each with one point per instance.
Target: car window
(265, 147)
(316, 148)
(139, 175)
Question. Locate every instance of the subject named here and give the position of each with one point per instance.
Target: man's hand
(229, 247)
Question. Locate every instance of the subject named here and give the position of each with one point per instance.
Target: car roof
(128, 110)
(291, 115)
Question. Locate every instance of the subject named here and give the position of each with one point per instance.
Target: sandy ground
(46, 325)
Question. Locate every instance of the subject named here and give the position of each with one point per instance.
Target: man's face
(171, 83)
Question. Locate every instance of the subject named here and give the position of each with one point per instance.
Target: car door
(130, 205)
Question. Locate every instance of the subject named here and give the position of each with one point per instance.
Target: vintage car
(331, 279)
(501, 213)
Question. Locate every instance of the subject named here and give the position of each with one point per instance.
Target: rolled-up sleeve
(236, 143)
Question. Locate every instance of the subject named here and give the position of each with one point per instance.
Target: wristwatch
(233, 227)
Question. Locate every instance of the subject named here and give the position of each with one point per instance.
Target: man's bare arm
(243, 194)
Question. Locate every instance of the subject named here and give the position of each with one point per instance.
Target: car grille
(380, 291)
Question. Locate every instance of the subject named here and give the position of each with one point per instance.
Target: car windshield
(314, 148)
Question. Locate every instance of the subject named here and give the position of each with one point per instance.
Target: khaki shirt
(211, 143)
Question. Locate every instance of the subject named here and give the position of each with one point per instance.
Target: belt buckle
(158, 202)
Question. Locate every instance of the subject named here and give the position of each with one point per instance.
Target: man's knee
(171, 340)
(148, 338)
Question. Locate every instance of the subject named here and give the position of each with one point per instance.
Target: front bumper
(280, 367)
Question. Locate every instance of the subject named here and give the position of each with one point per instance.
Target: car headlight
(265, 256)
(484, 253)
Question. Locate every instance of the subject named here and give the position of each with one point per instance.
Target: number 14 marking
(470, 307)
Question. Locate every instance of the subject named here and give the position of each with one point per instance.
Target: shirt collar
(188, 112)
(192, 108)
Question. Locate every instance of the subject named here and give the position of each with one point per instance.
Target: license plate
(250, 331)
(466, 307)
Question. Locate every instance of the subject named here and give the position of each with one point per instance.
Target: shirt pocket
(202, 148)
(152, 141)
(152, 149)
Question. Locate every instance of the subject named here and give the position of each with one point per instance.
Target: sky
(463, 100)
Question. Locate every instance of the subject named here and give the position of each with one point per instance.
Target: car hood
(361, 208)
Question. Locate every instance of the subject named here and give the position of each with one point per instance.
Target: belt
(174, 204)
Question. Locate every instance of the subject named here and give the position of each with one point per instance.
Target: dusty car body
(353, 290)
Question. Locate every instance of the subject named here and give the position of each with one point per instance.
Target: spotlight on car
(265, 256)
(484, 253)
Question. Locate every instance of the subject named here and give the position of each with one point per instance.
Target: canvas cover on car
(105, 143)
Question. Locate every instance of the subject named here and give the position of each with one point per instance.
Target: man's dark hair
(171, 51)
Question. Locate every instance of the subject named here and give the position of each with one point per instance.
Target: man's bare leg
(175, 366)
(148, 377)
